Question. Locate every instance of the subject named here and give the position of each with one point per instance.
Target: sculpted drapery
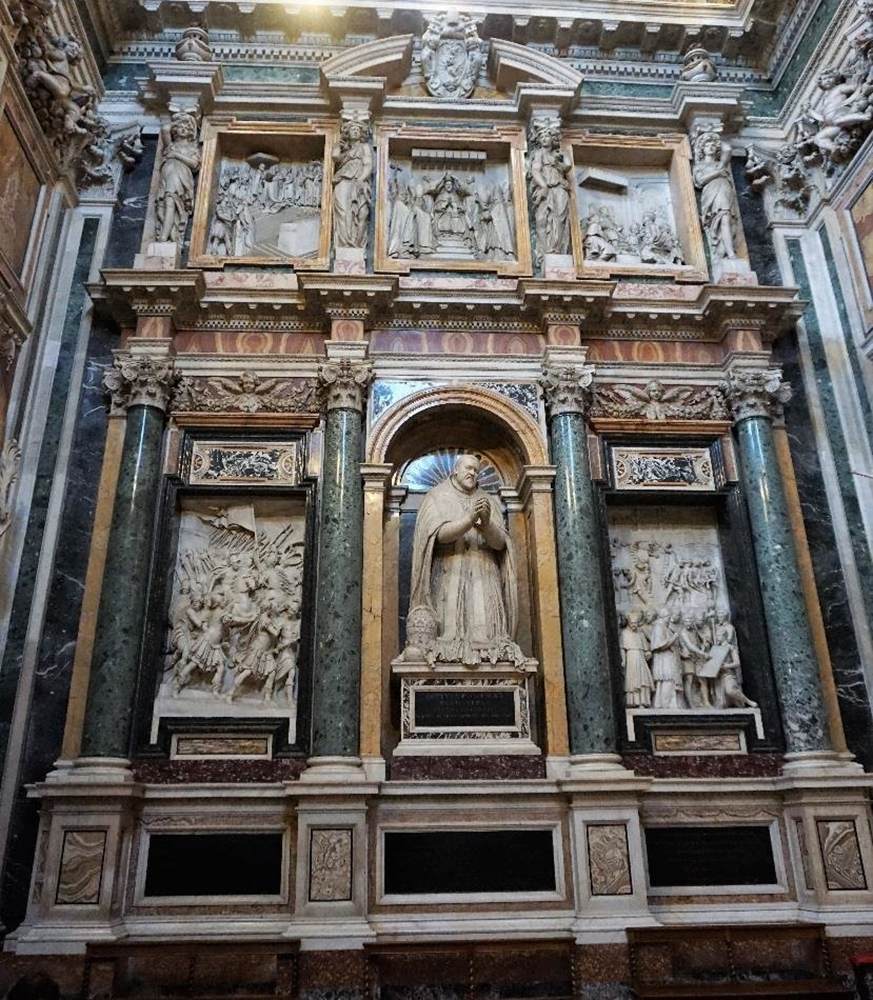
(463, 574)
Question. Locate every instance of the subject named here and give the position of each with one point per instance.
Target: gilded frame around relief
(672, 152)
(501, 143)
(244, 138)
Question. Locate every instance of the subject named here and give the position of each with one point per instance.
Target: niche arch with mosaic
(470, 679)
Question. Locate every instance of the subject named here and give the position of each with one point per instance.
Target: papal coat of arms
(451, 55)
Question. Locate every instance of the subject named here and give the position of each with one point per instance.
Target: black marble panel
(130, 212)
(464, 708)
(51, 681)
(827, 569)
(759, 241)
(709, 855)
(465, 861)
(214, 864)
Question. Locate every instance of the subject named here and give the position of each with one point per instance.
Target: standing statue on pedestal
(464, 602)
(352, 185)
(180, 161)
(718, 201)
(549, 174)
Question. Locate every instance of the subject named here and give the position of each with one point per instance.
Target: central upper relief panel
(452, 199)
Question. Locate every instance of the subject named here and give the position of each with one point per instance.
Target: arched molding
(521, 428)
(388, 58)
(511, 64)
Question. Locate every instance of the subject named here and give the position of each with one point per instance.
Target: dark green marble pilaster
(120, 620)
(580, 561)
(791, 648)
(337, 672)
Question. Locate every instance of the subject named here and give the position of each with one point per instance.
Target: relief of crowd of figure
(235, 620)
(449, 215)
(649, 241)
(678, 646)
(259, 187)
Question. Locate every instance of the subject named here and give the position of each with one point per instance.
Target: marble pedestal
(449, 708)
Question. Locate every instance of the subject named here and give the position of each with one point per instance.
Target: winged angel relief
(656, 401)
(234, 625)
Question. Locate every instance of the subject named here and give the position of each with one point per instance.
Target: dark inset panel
(464, 861)
(214, 864)
(464, 708)
(710, 855)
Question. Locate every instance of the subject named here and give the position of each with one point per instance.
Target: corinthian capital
(756, 393)
(343, 384)
(140, 380)
(567, 388)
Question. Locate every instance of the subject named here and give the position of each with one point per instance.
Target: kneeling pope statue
(464, 600)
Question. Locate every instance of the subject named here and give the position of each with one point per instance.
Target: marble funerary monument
(436, 499)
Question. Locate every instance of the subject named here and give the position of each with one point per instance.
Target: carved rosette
(343, 384)
(755, 393)
(140, 380)
(567, 389)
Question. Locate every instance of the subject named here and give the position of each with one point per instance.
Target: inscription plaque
(710, 855)
(214, 864)
(470, 709)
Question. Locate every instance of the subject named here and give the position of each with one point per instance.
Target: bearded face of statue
(466, 472)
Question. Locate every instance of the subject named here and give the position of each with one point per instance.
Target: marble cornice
(126, 294)
(308, 301)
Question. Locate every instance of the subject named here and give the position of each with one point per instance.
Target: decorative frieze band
(756, 393)
(656, 401)
(140, 380)
(246, 393)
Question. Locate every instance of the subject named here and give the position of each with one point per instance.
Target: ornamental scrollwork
(656, 401)
(756, 393)
(343, 384)
(246, 393)
(140, 380)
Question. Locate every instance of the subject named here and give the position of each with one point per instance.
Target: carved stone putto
(66, 109)
(567, 389)
(140, 380)
(830, 131)
(655, 401)
(755, 393)
(343, 384)
(246, 393)
(451, 55)
(786, 171)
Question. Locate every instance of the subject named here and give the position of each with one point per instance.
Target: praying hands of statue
(481, 513)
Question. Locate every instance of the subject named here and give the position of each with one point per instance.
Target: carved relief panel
(232, 639)
(264, 197)
(678, 643)
(452, 199)
(635, 209)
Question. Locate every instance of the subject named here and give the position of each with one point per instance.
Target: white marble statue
(718, 200)
(180, 161)
(638, 684)
(549, 174)
(352, 184)
(830, 132)
(464, 600)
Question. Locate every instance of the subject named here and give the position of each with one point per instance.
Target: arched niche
(436, 422)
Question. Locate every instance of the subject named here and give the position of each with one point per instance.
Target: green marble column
(580, 565)
(337, 667)
(141, 385)
(754, 397)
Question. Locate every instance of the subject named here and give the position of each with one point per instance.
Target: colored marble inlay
(330, 866)
(81, 867)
